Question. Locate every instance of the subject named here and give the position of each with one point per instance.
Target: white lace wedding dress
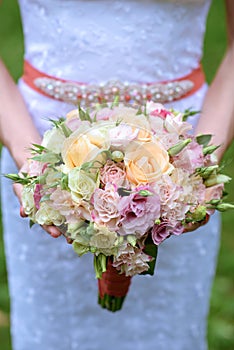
(53, 292)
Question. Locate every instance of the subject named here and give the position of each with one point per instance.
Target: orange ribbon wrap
(113, 283)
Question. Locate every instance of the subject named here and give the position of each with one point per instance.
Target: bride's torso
(93, 40)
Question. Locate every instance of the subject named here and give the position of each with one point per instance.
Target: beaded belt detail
(85, 94)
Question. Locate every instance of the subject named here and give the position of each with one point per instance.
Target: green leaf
(224, 206)
(64, 182)
(25, 180)
(84, 115)
(47, 157)
(37, 149)
(45, 198)
(31, 223)
(210, 149)
(139, 112)
(152, 250)
(80, 249)
(206, 172)
(145, 193)
(189, 113)
(66, 131)
(57, 123)
(203, 139)
(216, 179)
(123, 191)
(115, 103)
(174, 150)
(100, 263)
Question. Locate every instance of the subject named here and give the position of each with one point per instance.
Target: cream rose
(46, 215)
(146, 162)
(28, 200)
(81, 184)
(53, 140)
(103, 240)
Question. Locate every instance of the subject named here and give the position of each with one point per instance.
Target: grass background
(221, 318)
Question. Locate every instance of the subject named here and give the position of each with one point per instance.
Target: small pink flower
(164, 230)
(121, 135)
(104, 114)
(74, 123)
(61, 200)
(175, 124)
(37, 195)
(131, 260)
(36, 168)
(190, 158)
(157, 110)
(213, 192)
(113, 173)
(138, 212)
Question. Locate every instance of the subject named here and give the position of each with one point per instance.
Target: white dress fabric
(53, 291)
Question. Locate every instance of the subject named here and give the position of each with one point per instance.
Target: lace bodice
(134, 40)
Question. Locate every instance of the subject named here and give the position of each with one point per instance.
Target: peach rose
(85, 146)
(142, 124)
(146, 162)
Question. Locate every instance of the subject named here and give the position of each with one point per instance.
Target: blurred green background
(221, 318)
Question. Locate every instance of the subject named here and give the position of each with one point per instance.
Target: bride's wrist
(21, 151)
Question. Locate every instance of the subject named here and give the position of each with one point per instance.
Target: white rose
(81, 184)
(103, 240)
(28, 200)
(53, 140)
(46, 215)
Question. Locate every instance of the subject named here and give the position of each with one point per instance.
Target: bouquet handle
(113, 288)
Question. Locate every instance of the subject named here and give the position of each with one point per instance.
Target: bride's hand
(52, 230)
(193, 226)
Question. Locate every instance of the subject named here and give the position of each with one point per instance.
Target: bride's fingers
(193, 226)
(22, 212)
(18, 188)
(52, 230)
(69, 240)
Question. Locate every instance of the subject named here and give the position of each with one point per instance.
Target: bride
(53, 293)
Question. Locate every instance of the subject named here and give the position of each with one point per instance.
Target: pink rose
(138, 212)
(113, 173)
(105, 203)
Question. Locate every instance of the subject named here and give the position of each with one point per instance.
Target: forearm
(17, 131)
(217, 117)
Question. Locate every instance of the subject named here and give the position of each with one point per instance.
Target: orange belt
(77, 92)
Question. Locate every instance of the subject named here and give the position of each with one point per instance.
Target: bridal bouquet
(118, 181)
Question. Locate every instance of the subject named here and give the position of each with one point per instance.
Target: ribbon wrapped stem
(113, 288)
